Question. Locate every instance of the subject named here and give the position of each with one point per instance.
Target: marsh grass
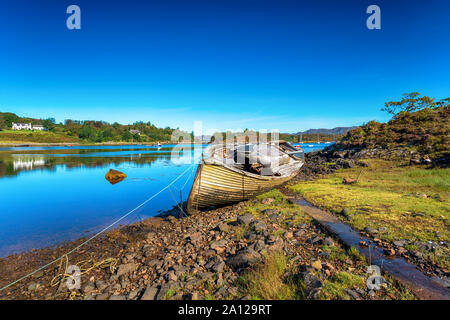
(12, 136)
(387, 197)
(267, 280)
(334, 287)
(281, 205)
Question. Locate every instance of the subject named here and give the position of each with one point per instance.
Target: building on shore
(27, 126)
(135, 132)
(21, 126)
(38, 127)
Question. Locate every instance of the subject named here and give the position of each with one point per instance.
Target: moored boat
(233, 173)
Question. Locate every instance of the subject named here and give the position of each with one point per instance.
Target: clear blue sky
(288, 65)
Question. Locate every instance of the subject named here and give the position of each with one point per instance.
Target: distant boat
(310, 145)
(159, 144)
(221, 179)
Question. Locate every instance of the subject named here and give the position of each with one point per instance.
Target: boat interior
(273, 159)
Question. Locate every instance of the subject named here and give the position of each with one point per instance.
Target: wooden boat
(221, 179)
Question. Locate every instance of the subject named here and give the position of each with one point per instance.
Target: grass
(25, 136)
(388, 197)
(280, 204)
(266, 280)
(334, 287)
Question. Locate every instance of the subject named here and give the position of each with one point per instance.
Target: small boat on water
(310, 146)
(232, 173)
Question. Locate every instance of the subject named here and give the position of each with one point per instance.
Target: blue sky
(286, 65)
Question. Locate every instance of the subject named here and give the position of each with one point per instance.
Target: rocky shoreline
(209, 255)
(198, 257)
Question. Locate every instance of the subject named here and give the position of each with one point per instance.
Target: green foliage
(266, 280)
(425, 130)
(412, 102)
(86, 131)
(387, 197)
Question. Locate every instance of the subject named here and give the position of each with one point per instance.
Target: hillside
(83, 131)
(337, 130)
(419, 127)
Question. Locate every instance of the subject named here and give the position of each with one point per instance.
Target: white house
(38, 127)
(21, 126)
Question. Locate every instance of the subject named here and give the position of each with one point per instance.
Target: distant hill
(337, 130)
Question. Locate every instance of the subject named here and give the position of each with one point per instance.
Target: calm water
(54, 194)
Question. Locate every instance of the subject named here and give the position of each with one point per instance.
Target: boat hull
(216, 185)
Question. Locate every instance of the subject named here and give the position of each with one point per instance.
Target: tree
(410, 102)
(2, 123)
(126, 135)
(49, 123)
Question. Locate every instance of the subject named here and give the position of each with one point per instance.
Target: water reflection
(54, 194)
(27, 164)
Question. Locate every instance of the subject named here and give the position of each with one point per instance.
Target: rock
(400, 243)
(102, 296)
(194, 296)
(370, 230)
(194, 237)
(150, 293)
(215, 264)
(243, 259)
(328, 241)
(114, 176)
(270, 212)
(88, 287)
(389, 252)
(133, 294)
(170, 276)
(221, 292)
(328, 266)
(101, 285)
(117, 297)
(345, 212)
(352, 294)
(223, 227)
(268, 201)
(251, 236)
(179, 269)
(299, 233)
(363, 243)
(260, 226)
(315, 240)
(317, 265)
(245, 219)
(288, 235)
(418, 214)
(218, 244)
(33, 286)
(311, 281)
(258, 245)
(126, 268)
(218, 267)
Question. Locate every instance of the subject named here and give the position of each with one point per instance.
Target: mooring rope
(98, 233)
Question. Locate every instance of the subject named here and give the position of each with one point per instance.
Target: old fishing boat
(233, 173)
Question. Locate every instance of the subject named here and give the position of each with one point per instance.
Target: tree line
(94, 131)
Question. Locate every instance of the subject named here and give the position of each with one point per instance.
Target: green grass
(387, 196)
(334, 287)
(266, 280)
(281, 205)
(26, 136)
